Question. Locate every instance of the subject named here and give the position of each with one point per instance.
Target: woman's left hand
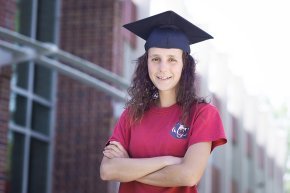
(115, 150)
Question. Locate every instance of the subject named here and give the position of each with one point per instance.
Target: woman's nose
(162, 66)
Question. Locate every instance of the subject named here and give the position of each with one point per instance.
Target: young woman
(165, 135)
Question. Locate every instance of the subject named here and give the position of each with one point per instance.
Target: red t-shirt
(159, 133)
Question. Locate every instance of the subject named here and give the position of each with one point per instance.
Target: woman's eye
(172, 60)
(155, 59)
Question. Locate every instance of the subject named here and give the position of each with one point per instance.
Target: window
(18, 108)
(32, 105)
(21, 75)
(40, 119)
(42, 82)
(15, 163)
(38, 166)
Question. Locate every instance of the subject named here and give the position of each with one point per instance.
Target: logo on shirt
(179, 131)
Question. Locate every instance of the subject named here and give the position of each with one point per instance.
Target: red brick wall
(5, 75)
(7, 14)
(84, 114)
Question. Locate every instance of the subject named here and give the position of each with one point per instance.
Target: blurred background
(65, 66)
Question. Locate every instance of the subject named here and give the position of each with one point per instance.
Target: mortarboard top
(167, 30)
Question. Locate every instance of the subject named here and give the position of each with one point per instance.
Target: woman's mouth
(163, 77)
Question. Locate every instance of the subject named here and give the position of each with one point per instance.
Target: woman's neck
(167, 99)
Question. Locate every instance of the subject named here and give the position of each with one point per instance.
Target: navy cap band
(168, 37)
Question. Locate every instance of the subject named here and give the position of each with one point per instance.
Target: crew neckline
(161, 110)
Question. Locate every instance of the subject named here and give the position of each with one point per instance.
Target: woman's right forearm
(130, 169)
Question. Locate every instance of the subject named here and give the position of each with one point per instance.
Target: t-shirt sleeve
(121, 131)
(207, 127)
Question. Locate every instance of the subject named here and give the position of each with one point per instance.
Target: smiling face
(164, 68)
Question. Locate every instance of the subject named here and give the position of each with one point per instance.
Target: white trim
(28, 132)
(45, 49)
(92, 68)
(54, 86)
(82, 77)
(24, 92)
(29, 107)
(76, 74)
(26, 154)
(17, 54)
(52, 132)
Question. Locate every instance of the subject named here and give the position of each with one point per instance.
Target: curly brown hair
(143, 93)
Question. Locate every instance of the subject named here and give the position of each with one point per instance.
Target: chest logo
(179, 131)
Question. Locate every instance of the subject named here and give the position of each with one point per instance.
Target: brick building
(53, 128)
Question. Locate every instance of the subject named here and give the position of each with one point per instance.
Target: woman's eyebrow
(154, 55)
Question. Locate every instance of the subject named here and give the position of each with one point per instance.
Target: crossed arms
(163, 171)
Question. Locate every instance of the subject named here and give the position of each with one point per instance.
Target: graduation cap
(167, 30)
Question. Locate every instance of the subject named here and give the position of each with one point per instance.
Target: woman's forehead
(165, 51)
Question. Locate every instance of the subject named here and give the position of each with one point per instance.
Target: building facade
(53, 128)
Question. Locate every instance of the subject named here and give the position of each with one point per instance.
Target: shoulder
(124, 118)
(203, 108)
(204, 112)
(125, 113)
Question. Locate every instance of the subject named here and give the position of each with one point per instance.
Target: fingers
(118, 144)
(110, 154)
(120, 148)
(112, 148)
(112, 151)
(115, 150)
